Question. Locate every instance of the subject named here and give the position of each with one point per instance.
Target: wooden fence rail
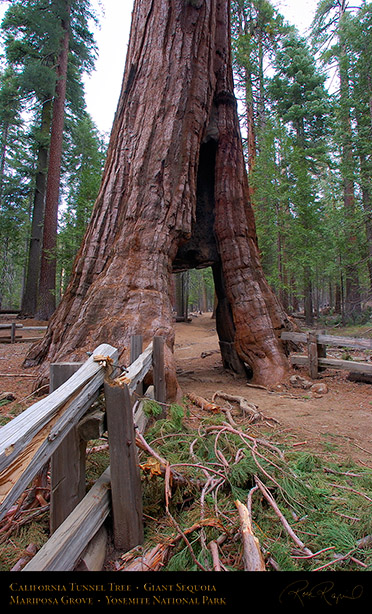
(13, 337)
(316, 358)
(44, 430)
(29, 440)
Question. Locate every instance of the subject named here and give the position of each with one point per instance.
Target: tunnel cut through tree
(174, 196)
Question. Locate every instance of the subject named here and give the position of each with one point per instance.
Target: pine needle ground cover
(307, 513)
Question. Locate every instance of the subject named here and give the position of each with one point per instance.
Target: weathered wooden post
(322, 351)
(160, 391)
(126, 491)
(12, 332)
(68, 461)
(312, 349)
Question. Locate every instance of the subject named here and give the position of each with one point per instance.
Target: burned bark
(174, 195)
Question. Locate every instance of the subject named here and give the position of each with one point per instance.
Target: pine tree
(33, 35)
(299, 95)
(15, 179)
(330, 36)
(358, 31)
(256, 30)
(83, 166)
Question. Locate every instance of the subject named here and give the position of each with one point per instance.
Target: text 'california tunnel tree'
(174, 195)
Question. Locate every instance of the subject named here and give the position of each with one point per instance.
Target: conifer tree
(33, 38)
(15, 179)
(330, 37)
(298, 92)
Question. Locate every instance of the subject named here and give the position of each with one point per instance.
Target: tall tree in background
(48, 266)
(175, 160)
(300, 97)
(15, 179)
(329, 32)
(359, 43)
(256, 30)
(36, 34)
(83, 167)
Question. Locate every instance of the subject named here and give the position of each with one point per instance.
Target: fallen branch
(257, 386)
(17, 375)
(252, 556)
(282, 519)
(337, 559)
(356, 492)
(151, 561)
(315, 554)
(203, 403)
(101, 448)
(215, 556)
(30, 551)
(160, 467)
(245, 406)
(155, 558)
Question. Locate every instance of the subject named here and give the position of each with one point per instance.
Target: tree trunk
(181, 296)
(29, 299)
(175, 159)
(308, 297)
(47, 286)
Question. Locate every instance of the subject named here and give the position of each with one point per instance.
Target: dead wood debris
(248, 409)
(28, 554)
(216, 477)
(253, 559)
(33, 503)
(154, 558)
(203, 403)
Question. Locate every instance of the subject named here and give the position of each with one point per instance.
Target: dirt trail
(337, 424)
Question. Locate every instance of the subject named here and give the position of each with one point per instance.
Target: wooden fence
(317, 360)
(12, 333)
(57, 428)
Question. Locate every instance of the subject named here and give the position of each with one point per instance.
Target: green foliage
(200, 289)
(83, 165)
(308, 237)
(31, 39)
(151, 408)
(313, 495)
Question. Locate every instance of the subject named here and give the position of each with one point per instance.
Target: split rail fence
(58, 427)
(14, 336)
(317, 360)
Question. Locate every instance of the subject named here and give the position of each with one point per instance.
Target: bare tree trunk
(47, 286)
(175, 158)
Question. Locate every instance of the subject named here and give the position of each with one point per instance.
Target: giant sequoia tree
(174, 196)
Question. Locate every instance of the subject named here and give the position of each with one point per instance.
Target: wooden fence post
(312, 348)
(160, 391)
(322, 350)
(126, 490)
(12, 333)
(68, 461)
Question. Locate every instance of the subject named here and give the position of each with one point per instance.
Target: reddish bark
(174, 195)
(29, 299)
(47, 284)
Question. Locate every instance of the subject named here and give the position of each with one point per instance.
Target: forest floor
(337, 424)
